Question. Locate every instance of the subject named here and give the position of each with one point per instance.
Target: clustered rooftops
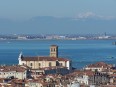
(82, 72)
(43, 58)
(99, 64)
(11, 68)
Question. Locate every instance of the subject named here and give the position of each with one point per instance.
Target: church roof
(54, 45)
(43, 58)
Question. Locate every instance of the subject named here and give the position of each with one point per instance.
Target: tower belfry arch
(54, 51)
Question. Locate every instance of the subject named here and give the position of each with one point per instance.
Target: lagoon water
(81, 52)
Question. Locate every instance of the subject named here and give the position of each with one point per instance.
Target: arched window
(31, 64)
(50, 64)
(39, 64)
(51, 49)
(54, 49)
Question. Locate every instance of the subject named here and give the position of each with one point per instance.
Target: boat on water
(111, 57)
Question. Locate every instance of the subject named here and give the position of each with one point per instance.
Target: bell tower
(54, 51)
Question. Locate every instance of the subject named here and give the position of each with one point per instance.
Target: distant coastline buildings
(57, 37)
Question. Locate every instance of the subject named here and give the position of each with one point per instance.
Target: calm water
(81, 52)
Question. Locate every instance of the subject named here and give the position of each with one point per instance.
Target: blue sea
(81, 52)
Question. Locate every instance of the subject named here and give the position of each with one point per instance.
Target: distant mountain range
(55, 25)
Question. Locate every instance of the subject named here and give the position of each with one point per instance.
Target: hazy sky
(57, 16)
(23, 9)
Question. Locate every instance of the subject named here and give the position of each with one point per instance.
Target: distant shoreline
(55, 39)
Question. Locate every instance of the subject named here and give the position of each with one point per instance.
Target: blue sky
(22, 11)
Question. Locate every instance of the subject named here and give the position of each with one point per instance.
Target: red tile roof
(43, 58)
(54, 45)
(12, 68)
(99, 64)
(82, 72)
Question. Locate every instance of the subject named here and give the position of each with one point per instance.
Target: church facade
(45, 62)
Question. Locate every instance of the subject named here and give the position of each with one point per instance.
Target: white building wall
(84, 79)
(34, 84)
(19, 75)
(93, 69)
(68, 65)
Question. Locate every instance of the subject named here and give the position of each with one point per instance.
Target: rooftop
(99, 65)
(43, 58)
(12, 68)
(54, 45)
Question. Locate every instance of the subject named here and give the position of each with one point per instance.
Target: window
(39, 64)
(54, 49)
(60, 64)
(37, 73)
(51, 49)
(50, 64)
(31, 64)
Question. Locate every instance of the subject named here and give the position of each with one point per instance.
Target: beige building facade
(13, 72)
(39, 62)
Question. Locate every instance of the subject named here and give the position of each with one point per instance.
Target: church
(51, 62)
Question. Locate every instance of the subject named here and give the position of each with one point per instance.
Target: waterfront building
(47, 64)
(99, 66)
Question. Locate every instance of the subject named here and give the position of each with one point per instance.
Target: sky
(23, 10)
(16, 9)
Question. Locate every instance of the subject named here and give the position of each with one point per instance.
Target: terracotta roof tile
(12, 68)
(100, 64)
(82, 72)
(54, 45)
(43, 58)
